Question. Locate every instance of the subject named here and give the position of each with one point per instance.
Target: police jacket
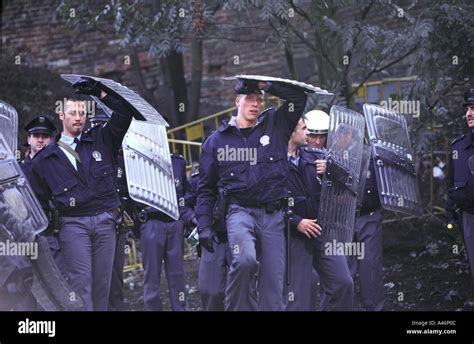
(304, 185)
(26, 166)
(250, 183)
(461, 173)
(370, 198)
(92, 188)
(187, 212)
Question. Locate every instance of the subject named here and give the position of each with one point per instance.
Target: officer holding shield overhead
(77, 172)
(461, 180)
(244, 164)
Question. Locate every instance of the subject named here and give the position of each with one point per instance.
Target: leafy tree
(164, 27)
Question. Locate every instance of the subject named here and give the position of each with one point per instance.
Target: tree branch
(378, 70)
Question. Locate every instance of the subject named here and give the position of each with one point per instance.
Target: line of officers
(237, 206)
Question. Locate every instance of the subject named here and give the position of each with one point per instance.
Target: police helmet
(317, 122)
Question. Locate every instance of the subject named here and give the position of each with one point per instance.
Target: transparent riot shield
(9, 125)
(340, 182)
(21, 213)
(393, 160)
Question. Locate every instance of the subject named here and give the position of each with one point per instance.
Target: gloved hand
(189, 225)
(206, 238)
(88, 86)
(245, 86)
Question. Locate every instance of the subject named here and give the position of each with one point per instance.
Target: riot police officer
(39, 129)
(368, 231)
(77, 172)
(461, 180)
(162, 239)
(243, 164)
(307, 252)
(213, 266)
(116, 298)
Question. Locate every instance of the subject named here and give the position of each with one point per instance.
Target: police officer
(368, 231)
(39, 129)
(317, 122)
(77, 172)
(461, 180)
(162, 239)
(116, 298)
(317, 125)
(305, 187)
(244, 162)
(213, 266)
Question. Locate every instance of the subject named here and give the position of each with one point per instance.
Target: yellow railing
(380, 84)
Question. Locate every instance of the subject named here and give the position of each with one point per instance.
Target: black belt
(144, 216)
(269, 207)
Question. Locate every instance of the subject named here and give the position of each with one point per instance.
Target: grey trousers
(257, 245)
(367, 230)
(88, 247)
(468, 229)
(163, 241)
(213, 276)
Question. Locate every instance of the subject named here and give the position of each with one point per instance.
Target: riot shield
(146, 150)
(23, 213)
(148, 167)
(51, 290)
(364, 169)
(9, 125)
(340, 182)
(140, 108)
(303, 86)
(393, 161)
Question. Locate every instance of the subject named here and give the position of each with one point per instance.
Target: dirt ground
(425, 269)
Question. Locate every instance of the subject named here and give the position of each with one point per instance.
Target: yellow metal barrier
(132, 257)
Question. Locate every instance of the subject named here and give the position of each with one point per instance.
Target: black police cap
(40, 125)
(469, 96)
(246, 86)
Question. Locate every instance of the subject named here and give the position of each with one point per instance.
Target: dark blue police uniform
(368, 231)
(306, 254)
(461, 188)
(254, 218)
(212, 266)
(162, 239)
(86, 199)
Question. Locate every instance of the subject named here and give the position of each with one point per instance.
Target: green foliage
(163, 29)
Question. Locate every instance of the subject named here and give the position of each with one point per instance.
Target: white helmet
(317, 122)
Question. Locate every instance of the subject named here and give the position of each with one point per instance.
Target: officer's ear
(237, 100)
(61, 115)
